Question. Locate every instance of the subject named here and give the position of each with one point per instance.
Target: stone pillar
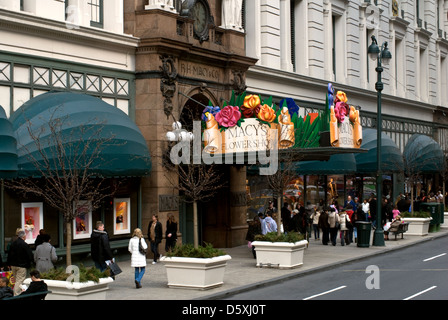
(238, 206)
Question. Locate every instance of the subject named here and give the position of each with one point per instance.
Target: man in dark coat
(100, 247)
(20, 258)
(155, 236)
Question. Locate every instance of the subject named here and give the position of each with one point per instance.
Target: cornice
(41, 27)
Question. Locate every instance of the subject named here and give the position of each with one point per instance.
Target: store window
(96, 13)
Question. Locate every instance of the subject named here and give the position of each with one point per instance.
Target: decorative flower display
(341, 96)
(228, 116)
(330, 95)
(341, 108)
(251, 106)
(266, 113)
(213, 110)
(291, 105)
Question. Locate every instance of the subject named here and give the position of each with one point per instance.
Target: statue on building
(160, 4)
(231, 14)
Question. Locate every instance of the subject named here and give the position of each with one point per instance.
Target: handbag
(140, 248)
(114, 268)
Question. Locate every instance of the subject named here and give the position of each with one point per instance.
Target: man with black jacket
(100, 247)
(20, 258)
(155, 236)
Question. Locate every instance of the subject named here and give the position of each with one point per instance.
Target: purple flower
(213, 110)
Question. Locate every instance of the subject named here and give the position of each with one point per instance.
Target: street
(419, 272)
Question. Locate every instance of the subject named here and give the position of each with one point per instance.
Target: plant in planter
(197, 268)
(284, 251)
(76, 283)
(418, 222)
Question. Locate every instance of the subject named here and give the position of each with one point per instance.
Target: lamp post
(382, 55)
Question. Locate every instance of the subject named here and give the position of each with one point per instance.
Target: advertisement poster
(122, 215)
(32, 220)
(82, 224)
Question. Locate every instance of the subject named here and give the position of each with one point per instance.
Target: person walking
(170, 233)
(365, 207)
(45, 255)
(333, 221)
(155, 236)
(100, 247)
(271, 225)
(138, 258)
(20, 258)
(324, 226)
(315, 217)
(344, 221)
(253, 230)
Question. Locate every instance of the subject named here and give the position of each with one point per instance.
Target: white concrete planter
(445, 221)
(195, 273)
(417, 226)
(284, 255)
(64, 290)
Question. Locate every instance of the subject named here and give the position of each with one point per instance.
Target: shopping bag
(114, 268)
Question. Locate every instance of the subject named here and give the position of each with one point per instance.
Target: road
(419, 272)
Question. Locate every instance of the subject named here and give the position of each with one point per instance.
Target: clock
(199, 12)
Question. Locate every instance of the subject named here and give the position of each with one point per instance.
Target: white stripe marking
(323, 293)
(419, 293)
(440, 255)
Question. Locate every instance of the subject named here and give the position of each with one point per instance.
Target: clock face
(200, 17)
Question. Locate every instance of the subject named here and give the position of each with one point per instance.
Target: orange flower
(251, 101)
(340, 96)
(266, 113)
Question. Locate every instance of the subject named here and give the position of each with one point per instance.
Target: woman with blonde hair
(137, 248)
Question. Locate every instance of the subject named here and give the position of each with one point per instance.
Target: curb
(299, 274)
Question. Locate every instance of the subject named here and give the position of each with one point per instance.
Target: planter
(445, 221)
(418, 226)
(195, 273)
(284, 255)
(63, 290)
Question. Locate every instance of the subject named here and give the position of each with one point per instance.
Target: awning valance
(422, 154)
(391, 158)
(8, 148)
(81, 121)
(337, 164)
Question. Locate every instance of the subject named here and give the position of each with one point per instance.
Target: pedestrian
(155, 236)
(315, 217)
(5, 289)
(350, 226)
(271, 225)
(45, 255)
(358, 215)
(262, 222)
(138, 258)
(286, 216)
(365, 207)
(344, 221)
(20, 258)
(36, 285)
(294, 221)
(373, 203)
(100, 247)
(392, 227)
(333, 221)
(39, 239)
(253, 230)
(324, 225)
(309, 211)
(170, 232)
(395, 212)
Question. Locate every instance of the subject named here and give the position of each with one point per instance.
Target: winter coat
(323, 221)
(343, 218)
(271, 225)
(44, 256)
(157, 231)
(20, 254)
(332, 218)
(6, 292)
(137, 259)
(99, 246)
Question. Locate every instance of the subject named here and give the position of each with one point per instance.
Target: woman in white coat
(138, 259)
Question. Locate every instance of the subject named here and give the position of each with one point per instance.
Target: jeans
(155, 250)
(139, 272)
(101, 265)
(316, 231)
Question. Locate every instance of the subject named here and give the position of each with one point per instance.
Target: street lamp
(382, 55)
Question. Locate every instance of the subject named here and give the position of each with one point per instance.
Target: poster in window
(32, 220)
(122, 215)
(82, 224)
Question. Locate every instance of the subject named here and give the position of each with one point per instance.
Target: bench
(31, 296)
(402, 228)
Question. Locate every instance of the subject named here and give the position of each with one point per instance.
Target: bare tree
(67, 164)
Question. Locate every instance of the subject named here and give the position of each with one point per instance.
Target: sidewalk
(242, 274)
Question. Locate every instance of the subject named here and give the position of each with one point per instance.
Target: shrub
(273, 237)
(415, 214)
(188, 250)
(85, 274)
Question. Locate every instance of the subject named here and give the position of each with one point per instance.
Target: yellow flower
(340, 96)
(251, 101)
(266, 113)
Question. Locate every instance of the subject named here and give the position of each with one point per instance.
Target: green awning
(83, 120)
(337, 164)
(391, 158)
(422, 154)
(8, 148)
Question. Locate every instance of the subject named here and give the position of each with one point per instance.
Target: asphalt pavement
(242, 274)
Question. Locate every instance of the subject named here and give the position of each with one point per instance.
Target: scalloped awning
(422, 154)
(82, 119)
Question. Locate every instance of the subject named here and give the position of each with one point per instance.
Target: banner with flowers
(248, 123)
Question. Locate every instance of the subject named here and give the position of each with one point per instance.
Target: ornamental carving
(168, 83)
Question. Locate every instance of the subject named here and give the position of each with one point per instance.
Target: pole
(378, 236)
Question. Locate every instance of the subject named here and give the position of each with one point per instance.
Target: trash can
(435, 209)
(363, 229)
